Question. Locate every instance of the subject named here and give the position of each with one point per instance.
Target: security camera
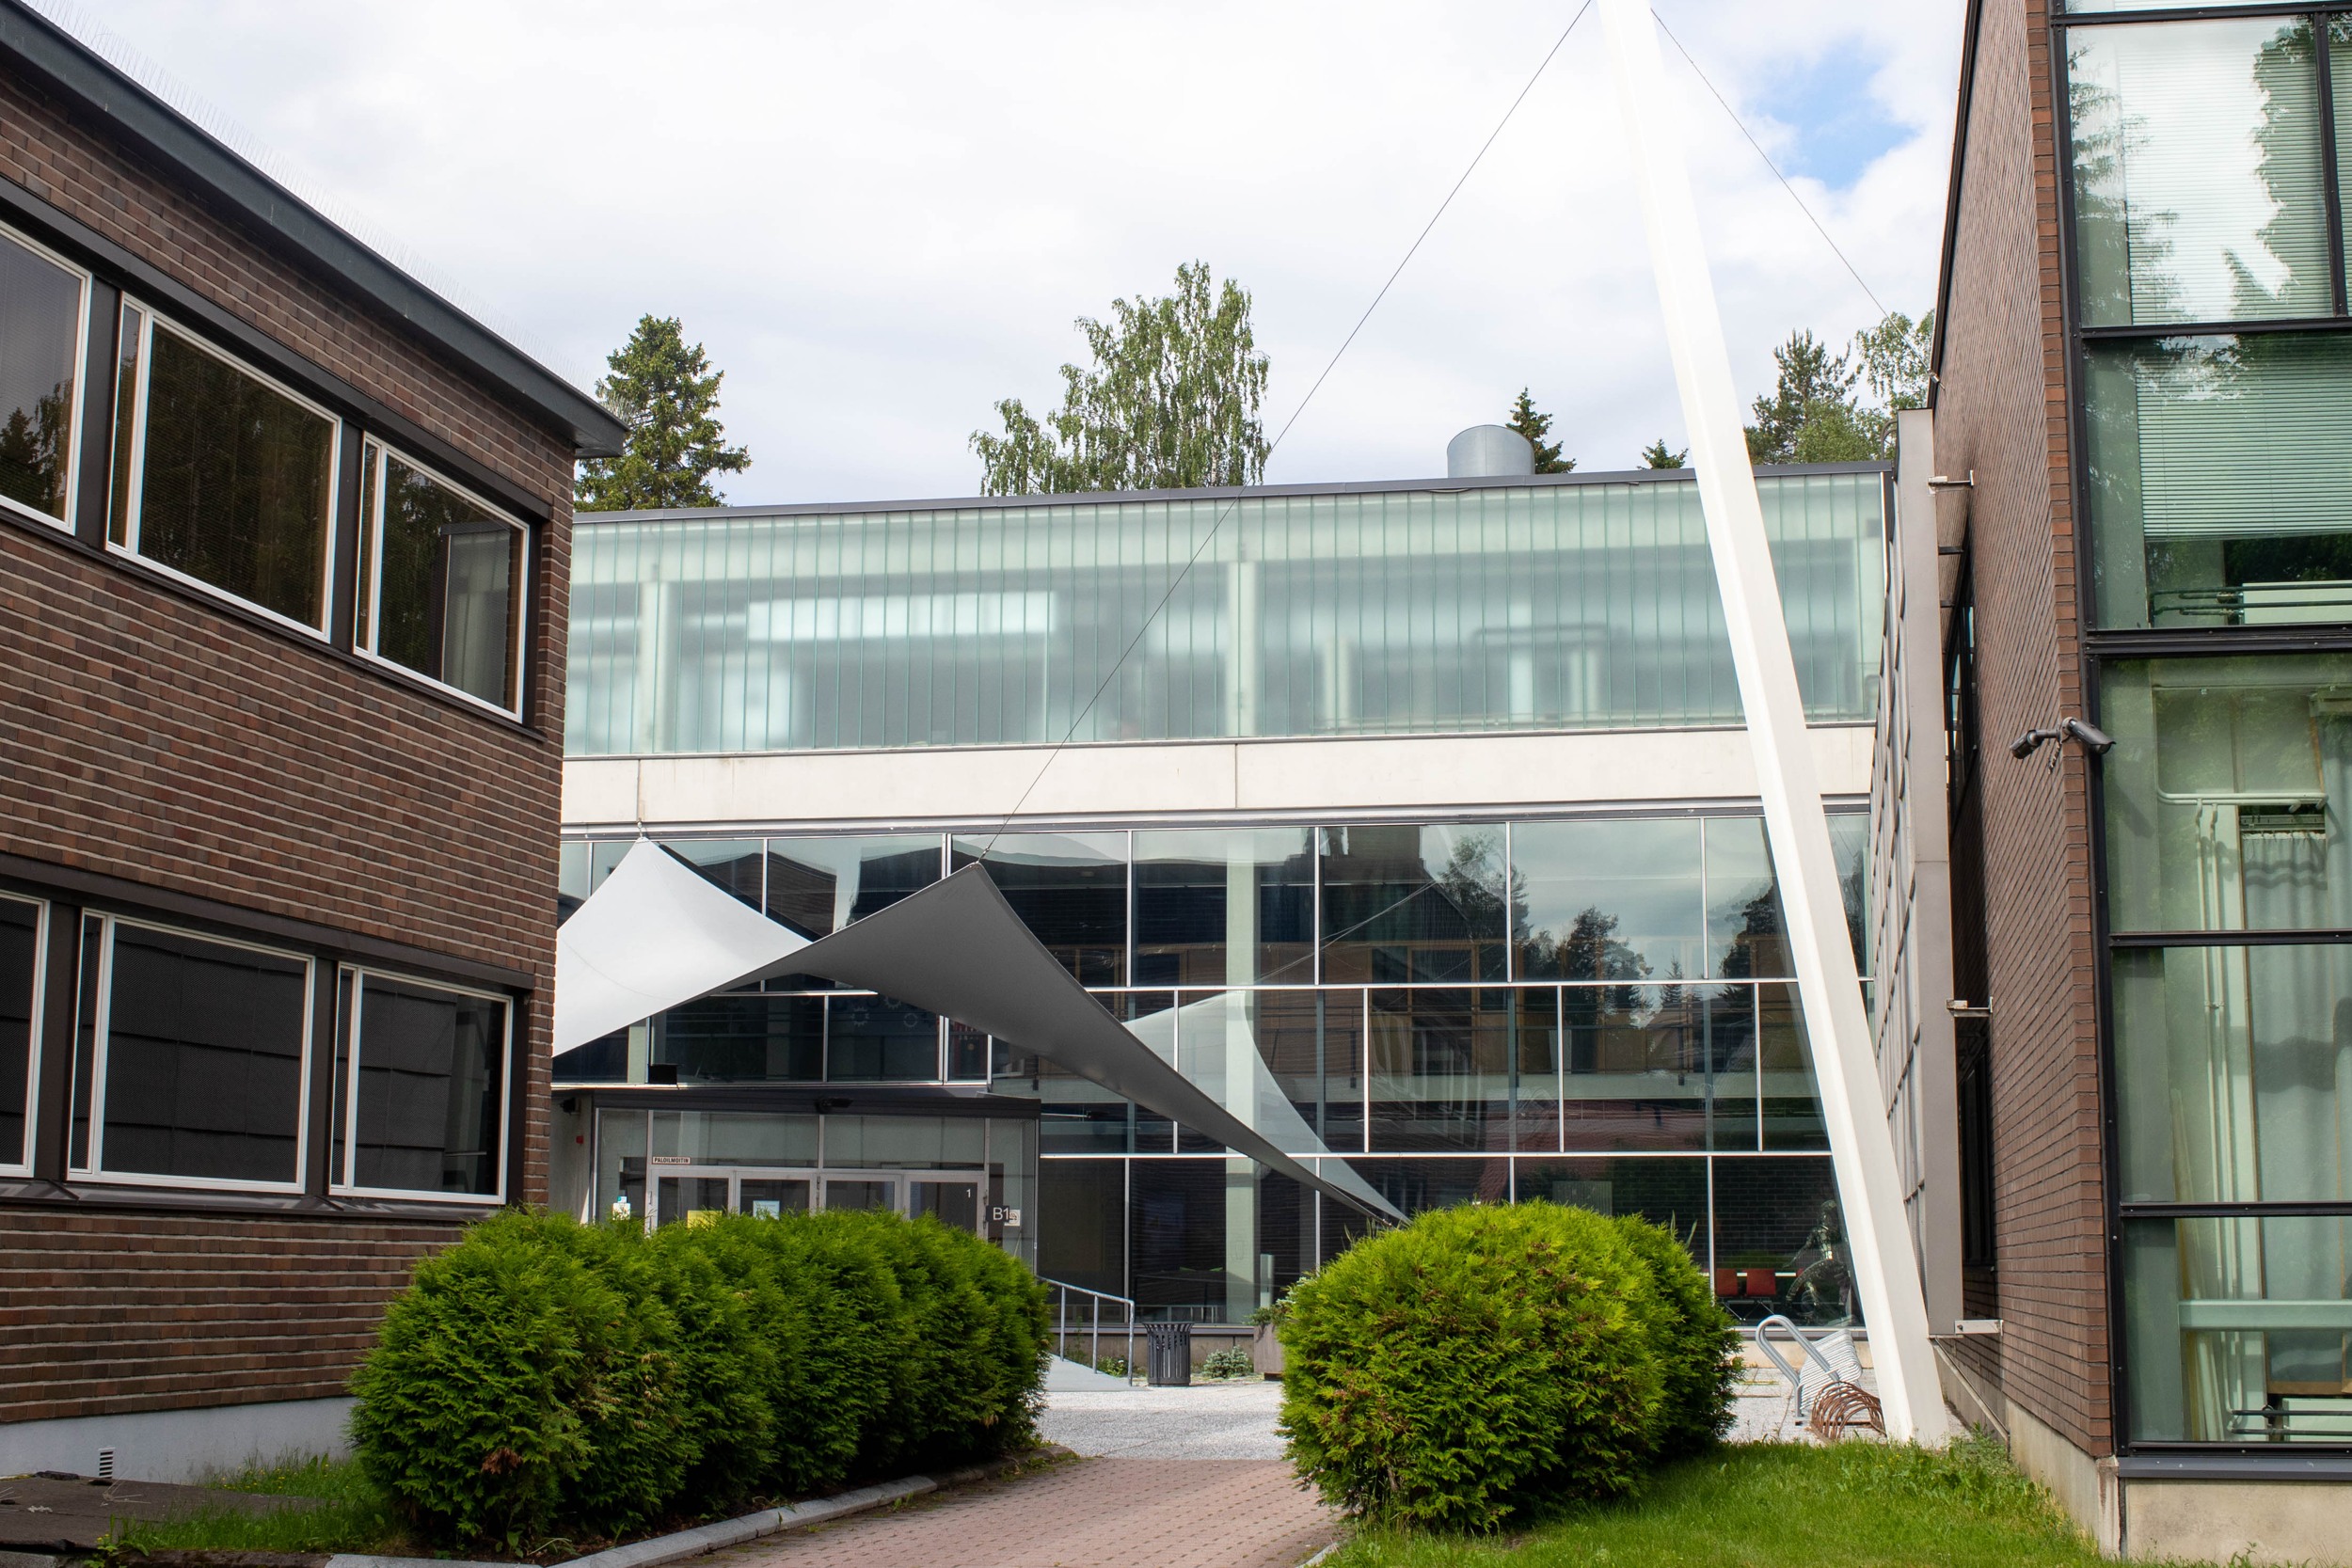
(2027, 744)
(2094, 739)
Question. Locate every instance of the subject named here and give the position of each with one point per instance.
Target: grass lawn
(1856, 1505)
(349, 1516)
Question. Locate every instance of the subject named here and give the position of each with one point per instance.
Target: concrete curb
(705, 1539)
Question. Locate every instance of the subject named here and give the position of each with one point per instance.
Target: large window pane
(2217, 470)
(1745, 936)
(874, 1038)
(743, 1037)
(2197, 171)
(1403, 903)
(443, 577)
(1084, 1242)
(1780, 1241)
(1070, 890)
(815, 886)
(2237, 1329)
(1667, 1192)
(1178, 1214)
(1440, 1062)
(1413, 611)
(1607, 900)
(2228, 793)
(202, 1046)
(431, 1099)
(1655, 1066)
(1432, 1181)
(20, 959)
(1225, 906)
(2233, 1073)
(40, 349)
(237, 483)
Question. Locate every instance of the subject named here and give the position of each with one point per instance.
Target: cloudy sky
(880, 218)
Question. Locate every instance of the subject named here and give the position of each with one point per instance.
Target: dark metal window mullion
(2331, 193)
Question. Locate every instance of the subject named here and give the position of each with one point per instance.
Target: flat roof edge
(99, 88)
(1248, 492)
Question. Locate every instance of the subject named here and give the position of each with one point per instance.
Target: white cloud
(880, 218)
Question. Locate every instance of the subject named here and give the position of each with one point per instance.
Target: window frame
(101, 1030)
(133, 467)
(78, 405)
(43, 919)
(369, 578)
(348, 1013)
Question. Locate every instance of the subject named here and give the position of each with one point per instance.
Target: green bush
(1695, 1341)
(544, 1378)
(1448, 1373)
(1220, 1365)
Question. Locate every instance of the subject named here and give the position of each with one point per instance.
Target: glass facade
(2208, 185)
(1430, 610)
(1598, 1007)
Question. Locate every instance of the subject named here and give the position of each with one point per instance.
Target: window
(222, 476)
(43, 306)
(1225, 905)
(1070, 890)
(2199, 191)
(23, 925)
(428, 1118)
(1407, 903)
(189, 1062)
(1607, 900)
(440, 579)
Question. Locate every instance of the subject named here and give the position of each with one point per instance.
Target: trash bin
(1169, 1354)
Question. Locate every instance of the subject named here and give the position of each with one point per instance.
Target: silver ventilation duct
(1488, 450)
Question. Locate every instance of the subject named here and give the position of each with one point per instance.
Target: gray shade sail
(657, 935)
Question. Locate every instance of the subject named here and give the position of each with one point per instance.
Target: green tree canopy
(1536, 426)
(663, 388)
(1895, 359)
(1171, 402)
(1815, 413)
(1659, 455)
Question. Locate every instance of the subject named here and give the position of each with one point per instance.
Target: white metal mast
(1829, 986)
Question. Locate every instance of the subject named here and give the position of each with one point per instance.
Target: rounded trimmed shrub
(1694, 1338)
(544, 1378)
(1449, 1373)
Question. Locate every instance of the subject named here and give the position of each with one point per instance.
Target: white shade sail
(657, 935)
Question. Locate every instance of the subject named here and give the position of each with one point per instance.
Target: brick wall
(155, 739)
(2002, 411)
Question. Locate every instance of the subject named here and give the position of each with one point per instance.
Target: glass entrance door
(681, 1191)
(866, 1190)
(951, 1198)
(772, 1194)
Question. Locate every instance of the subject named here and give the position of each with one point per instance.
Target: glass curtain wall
(2208, 187)
(1602, 1009)
(1574, 606)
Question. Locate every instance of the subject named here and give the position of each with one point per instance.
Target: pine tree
(1658, 455)
(1534, 427)
(1171, 402)
(1810, 386)
(663, 388)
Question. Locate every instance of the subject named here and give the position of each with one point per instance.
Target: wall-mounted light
(2090, 736)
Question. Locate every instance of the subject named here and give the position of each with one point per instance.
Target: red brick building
(2143, 374)
(283, 561)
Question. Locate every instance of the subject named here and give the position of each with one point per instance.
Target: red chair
(1726, 1282)
(1762, 1282)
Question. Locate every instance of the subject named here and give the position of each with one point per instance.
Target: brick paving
(1078, 1513)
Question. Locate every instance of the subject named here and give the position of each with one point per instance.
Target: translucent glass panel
(1405, 903)
(2239, 1328)
(1576, 607)
(1225, 905)
(2197, 193)
(2233, 1074)
(2228, 793)
(2217, 470)
(235, 480)
(40, 354)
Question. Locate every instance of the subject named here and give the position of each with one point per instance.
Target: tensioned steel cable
(1818, 226)
(1282, 435)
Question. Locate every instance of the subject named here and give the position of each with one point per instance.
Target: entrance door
(773, 1195)
(683, 1191)
(863, 1191)
(951, 1198)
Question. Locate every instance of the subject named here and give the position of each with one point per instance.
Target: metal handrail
(1093, 1326)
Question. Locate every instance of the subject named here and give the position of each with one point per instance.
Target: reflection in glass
(1440, 1064)
(1403, 903)
(1638, 1074)
(1607, 900)
(2228, 793)
(2214, 478)
(1431, 1183)
(743, 1037)
(1085, 1245)
(40, 344)
(815, 886)
(1225, 905)
(1070, 890)
(1668, 1193)
(1178, 1214)
(1745, 937)
(731, 864)
(431, 1089)
(440, 581)
(2238, 1328)
(237, 480)
(2233, 1073)
(2197, 171)
(19, 952)
(873, 1039)
(1780, 1244)
(1791, 1114)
